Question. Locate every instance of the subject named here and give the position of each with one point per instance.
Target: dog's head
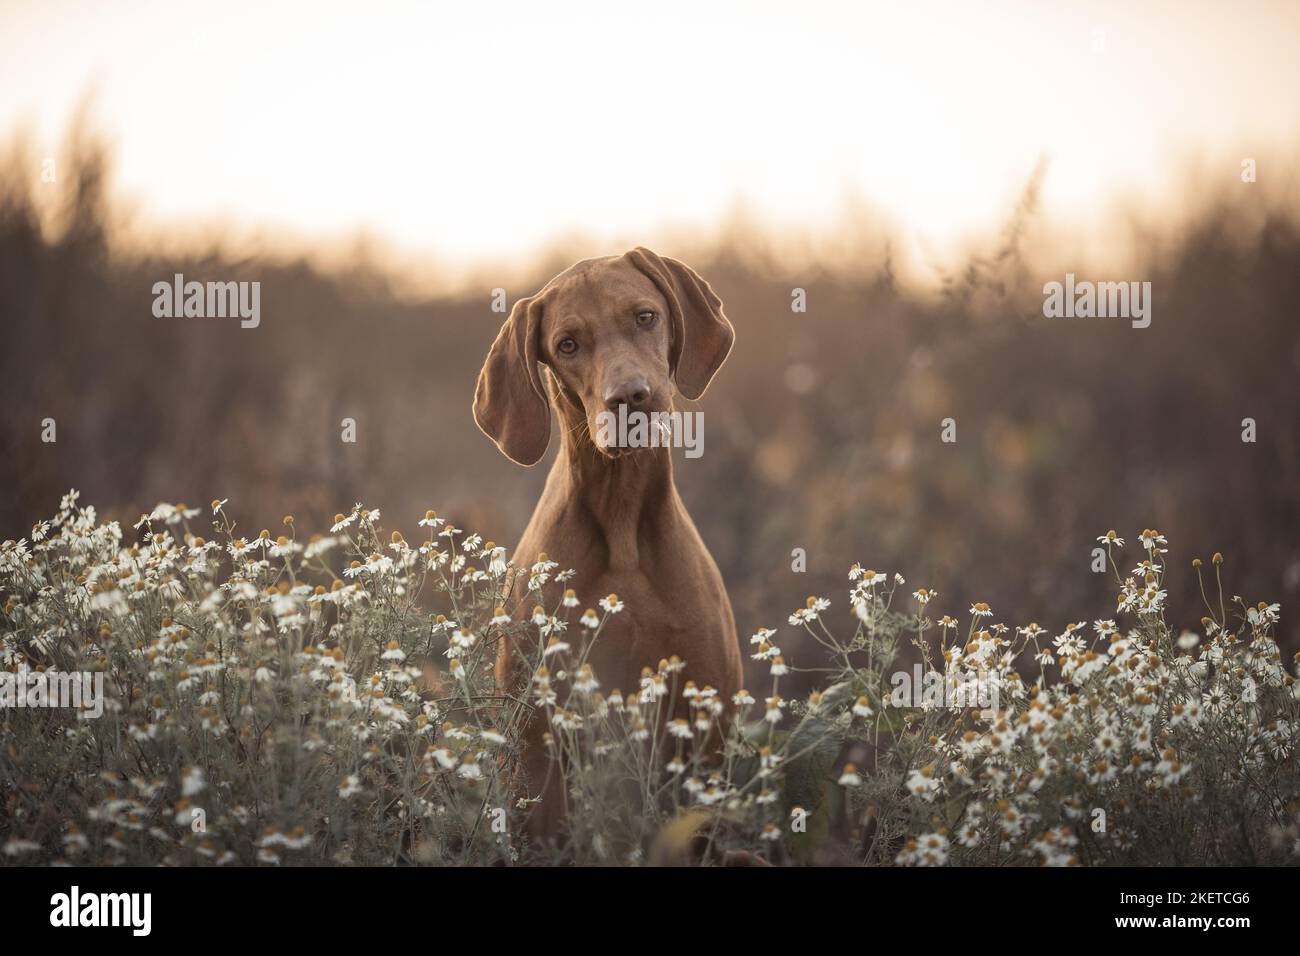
(622, 330)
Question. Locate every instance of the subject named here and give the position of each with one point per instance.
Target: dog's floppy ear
(510, 403)
(702, 336)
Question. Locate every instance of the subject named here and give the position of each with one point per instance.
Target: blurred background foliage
(821, 432)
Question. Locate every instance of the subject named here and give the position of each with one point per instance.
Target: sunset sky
(484, 129)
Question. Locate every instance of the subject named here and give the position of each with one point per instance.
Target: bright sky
(483, 129)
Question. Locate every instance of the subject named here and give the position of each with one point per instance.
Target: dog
(630, 331)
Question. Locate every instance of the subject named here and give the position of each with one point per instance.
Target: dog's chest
(653, 559)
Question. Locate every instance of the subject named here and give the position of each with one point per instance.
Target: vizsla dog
(620, 330)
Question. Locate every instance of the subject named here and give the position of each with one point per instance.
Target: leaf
(809, 784)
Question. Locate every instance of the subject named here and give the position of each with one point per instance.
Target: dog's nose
(632, 392)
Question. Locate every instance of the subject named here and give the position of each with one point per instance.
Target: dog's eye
(646, 318)
(566, 346)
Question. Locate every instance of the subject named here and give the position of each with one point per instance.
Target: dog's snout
(633, 392)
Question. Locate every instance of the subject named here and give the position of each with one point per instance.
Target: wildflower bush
(273, 700)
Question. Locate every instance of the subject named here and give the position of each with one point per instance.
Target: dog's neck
(620, 493)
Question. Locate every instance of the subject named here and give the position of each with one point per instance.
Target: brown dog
(620, 330)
